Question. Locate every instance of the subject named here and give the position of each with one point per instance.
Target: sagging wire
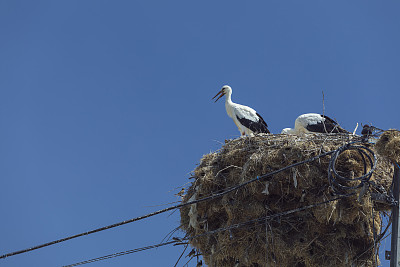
(210, 197)
(249, 223)
(121, 253)
(338, 187)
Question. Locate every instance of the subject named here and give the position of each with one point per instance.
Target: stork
(246, 119)
(314, 123)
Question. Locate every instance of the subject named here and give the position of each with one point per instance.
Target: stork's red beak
(219, 93)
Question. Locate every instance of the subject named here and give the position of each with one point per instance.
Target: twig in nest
(309, 244)
(354, 132)
(219, 142)
(230, 166)
(181, 255)
(169, 235)
(323, 109)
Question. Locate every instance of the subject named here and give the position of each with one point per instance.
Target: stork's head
(226, 90)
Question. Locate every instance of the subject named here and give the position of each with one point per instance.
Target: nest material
(388, 145)
(339, 233)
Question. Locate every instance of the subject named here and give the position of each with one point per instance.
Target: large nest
(339, 233)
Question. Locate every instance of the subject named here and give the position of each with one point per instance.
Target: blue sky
(105, 106)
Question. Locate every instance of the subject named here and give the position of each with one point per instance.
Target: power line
(210, 197)
(238, 225)
(216, 195)
(121, 254)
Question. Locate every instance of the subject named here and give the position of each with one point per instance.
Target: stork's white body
(313, 123)
(236, 110)
(305, 120)
(246, 119)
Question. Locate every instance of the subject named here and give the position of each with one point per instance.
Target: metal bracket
(395, 242)
(383, 198)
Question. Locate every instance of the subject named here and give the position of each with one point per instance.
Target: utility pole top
(395, 245)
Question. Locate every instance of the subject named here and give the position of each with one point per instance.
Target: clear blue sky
(105, 106)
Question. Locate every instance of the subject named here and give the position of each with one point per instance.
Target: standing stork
(314, 123)
(246, 119)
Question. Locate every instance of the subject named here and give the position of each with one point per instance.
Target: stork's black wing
(259, 126)
(327, 126)
(261, 120)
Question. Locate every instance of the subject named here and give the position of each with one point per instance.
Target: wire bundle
(341, 184)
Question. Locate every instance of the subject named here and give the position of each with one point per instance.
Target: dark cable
(216, 195)
(238, 225)
(121, 254)
(333, 177)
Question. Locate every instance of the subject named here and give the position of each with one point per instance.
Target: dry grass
(334, 234)
(388, 145)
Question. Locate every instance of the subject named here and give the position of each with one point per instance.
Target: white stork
(314, 123)
(246, 119)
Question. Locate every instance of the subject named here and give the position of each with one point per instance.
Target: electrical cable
(212, 196)
(121, 254)
(334, 179)
(234, 226)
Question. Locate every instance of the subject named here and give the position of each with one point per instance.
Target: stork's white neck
(228, 97)
(229, 104)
